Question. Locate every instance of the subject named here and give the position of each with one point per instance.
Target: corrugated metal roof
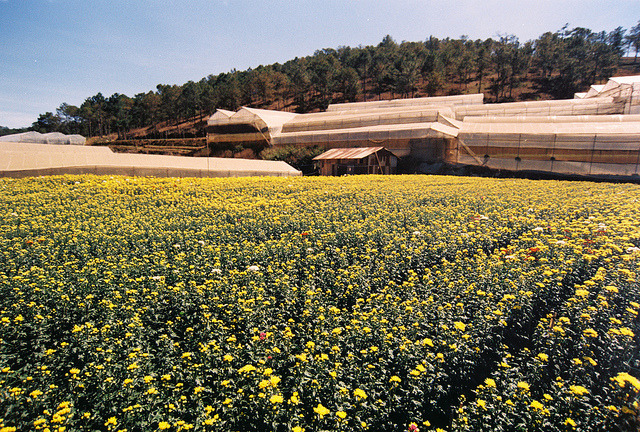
(349, 153)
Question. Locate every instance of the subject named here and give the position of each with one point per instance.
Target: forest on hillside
(556, 65)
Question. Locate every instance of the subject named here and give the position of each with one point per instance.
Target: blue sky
(55, 51)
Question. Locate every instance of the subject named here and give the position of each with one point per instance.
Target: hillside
(554, 66)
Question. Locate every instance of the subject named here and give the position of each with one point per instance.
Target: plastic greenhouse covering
(582, 148)
(472, 99)
(597, 133)
(19, 159)
(49, 138)
(572, 107)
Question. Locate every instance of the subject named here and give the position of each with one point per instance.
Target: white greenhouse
(594, 134)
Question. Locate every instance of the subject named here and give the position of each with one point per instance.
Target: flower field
(409, 303)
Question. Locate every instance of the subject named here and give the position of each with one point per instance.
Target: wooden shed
(359, 160)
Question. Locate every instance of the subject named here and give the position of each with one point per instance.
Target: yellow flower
(321, 411)
(626, 331)
(341, 414)
(523, 385)
(623, 378)
(247, 369)
(481, 403)
(543, 357)
(537, 405)
(227, 357)
(359, 393)
(274, 380)
(163, 425)
(227, 401)
(490, 383)
(395, 379)
(570, 422)
(590, 333)
(276, 399)
(111, 421)
(459, 325)
(297, 429)
(578, 390)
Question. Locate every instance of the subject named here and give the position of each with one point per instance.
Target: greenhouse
(248, 126)
(592, 147)
(595, 134)
(49, 138)
(571, 107)
(28, 160)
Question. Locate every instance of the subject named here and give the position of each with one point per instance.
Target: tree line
(557, 63)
